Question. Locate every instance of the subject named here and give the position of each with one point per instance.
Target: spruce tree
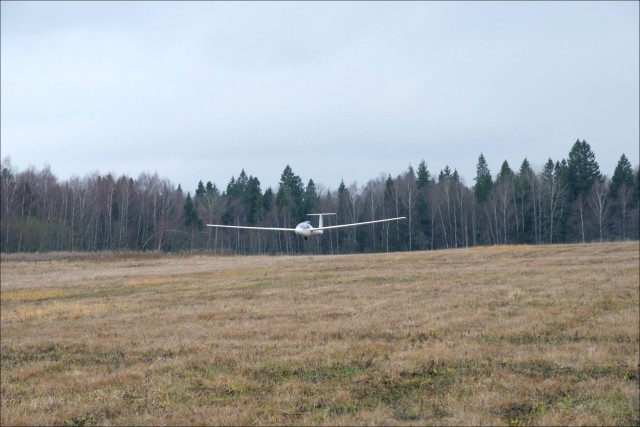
(231, 187)
(252, 200)
(212, 190)
(423, 181)
(342, 195)
(636, 187)
(620, 195)
(583, 169)
(423, 178)
(267, 199)
(622, 177)
(281, 198)
(200, 191)
(411, 174)
(293, 189)
(505, 173)
(310, 197)
(444, 174)
(482, 179)
(342, 211)
(525, 183)
(191, 217)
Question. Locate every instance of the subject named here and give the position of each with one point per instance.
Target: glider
(305, 229)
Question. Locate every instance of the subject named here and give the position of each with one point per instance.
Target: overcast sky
(337, 90)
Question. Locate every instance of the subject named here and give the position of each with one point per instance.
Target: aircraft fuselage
(305, 229)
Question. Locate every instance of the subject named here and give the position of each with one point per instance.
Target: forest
(568, 201)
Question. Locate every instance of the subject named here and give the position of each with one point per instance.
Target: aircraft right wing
(331, 227)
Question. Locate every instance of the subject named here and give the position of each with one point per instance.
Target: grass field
(509, 335)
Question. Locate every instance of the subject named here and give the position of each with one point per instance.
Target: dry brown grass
(513, 335)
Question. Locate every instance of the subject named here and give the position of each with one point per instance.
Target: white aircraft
(305, 229)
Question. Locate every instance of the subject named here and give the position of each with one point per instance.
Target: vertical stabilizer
(319, 215)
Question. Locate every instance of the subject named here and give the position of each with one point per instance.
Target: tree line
(568, 201)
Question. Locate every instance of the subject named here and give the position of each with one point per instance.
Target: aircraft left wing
(331, 227)
(251, 228)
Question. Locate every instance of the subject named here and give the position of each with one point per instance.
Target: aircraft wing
(251, 228)
(331, 227)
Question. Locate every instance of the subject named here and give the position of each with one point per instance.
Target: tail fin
(319, 215)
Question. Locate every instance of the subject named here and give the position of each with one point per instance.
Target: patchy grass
(507, 335)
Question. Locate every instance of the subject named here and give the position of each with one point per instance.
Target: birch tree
(8, 186)
(598, 201)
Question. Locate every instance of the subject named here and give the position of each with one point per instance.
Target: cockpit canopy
(304, 225)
